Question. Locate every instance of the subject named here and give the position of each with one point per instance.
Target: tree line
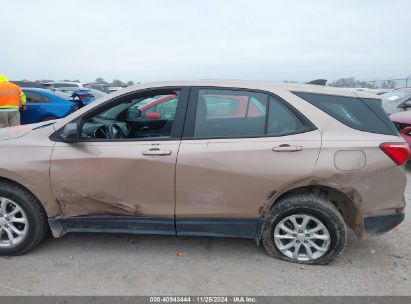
(114, 83)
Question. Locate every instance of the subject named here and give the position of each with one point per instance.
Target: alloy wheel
(302, 237)
(13, 223)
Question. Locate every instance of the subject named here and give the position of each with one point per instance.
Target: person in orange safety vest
(11, 99)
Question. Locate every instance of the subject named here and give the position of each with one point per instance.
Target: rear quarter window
(364, 114)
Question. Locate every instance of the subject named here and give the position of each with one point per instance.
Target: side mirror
(69, 133)
(133, 113)
(153, 115)
(76, 99)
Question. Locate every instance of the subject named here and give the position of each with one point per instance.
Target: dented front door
(115, 178)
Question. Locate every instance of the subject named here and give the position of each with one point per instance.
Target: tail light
(84, 96)
(398, 152)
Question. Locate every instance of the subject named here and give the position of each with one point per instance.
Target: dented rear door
(229, 167)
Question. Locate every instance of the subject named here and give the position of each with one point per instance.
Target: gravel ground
(93, 264)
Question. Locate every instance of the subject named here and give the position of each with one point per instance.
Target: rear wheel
(23, 222)
(304, 228)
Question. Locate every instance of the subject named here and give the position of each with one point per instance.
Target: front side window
(163, 107)
(229, 113)
(128, 120)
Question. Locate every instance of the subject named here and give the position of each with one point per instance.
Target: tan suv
(288, 165)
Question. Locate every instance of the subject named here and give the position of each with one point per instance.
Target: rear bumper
(383, 223)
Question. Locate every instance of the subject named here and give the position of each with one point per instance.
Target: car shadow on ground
(396, 244)
(157, 248)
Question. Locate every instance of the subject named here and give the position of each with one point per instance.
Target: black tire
(312, 205)
(36, 217)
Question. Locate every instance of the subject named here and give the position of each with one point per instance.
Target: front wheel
(306, 229)
(23, 222)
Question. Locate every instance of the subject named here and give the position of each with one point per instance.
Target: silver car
(397, 100)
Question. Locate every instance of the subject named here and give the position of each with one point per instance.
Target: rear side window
(225, 113)
(360, 114)
(282, 120)
(230, 113)
(376, 106)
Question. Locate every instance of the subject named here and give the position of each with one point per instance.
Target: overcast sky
(150, 40)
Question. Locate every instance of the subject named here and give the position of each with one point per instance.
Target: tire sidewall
(306, 205)
(22, 202)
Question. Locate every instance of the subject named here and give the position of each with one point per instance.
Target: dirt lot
(86, 264)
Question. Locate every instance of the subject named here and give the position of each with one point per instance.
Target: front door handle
(287, 148)
(156, 152)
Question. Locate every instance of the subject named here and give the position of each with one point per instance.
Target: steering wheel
(115, 131)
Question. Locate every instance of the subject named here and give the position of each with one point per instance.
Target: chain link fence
(392, 83)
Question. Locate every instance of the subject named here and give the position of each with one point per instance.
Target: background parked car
(85, 95)
(396, 100)
(66, 84)
(44, 104)
(30, 84)
(112, 89)
(373, 91)
(99, 86)
(97, 93)
(402, 122)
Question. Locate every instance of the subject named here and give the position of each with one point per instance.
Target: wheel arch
(51, 211)
(344, 202)
(6, 180)
(35, 218)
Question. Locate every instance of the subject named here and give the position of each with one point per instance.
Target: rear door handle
(287, 148)
(156, 152)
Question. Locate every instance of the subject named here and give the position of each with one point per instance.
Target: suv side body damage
(218, 162)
